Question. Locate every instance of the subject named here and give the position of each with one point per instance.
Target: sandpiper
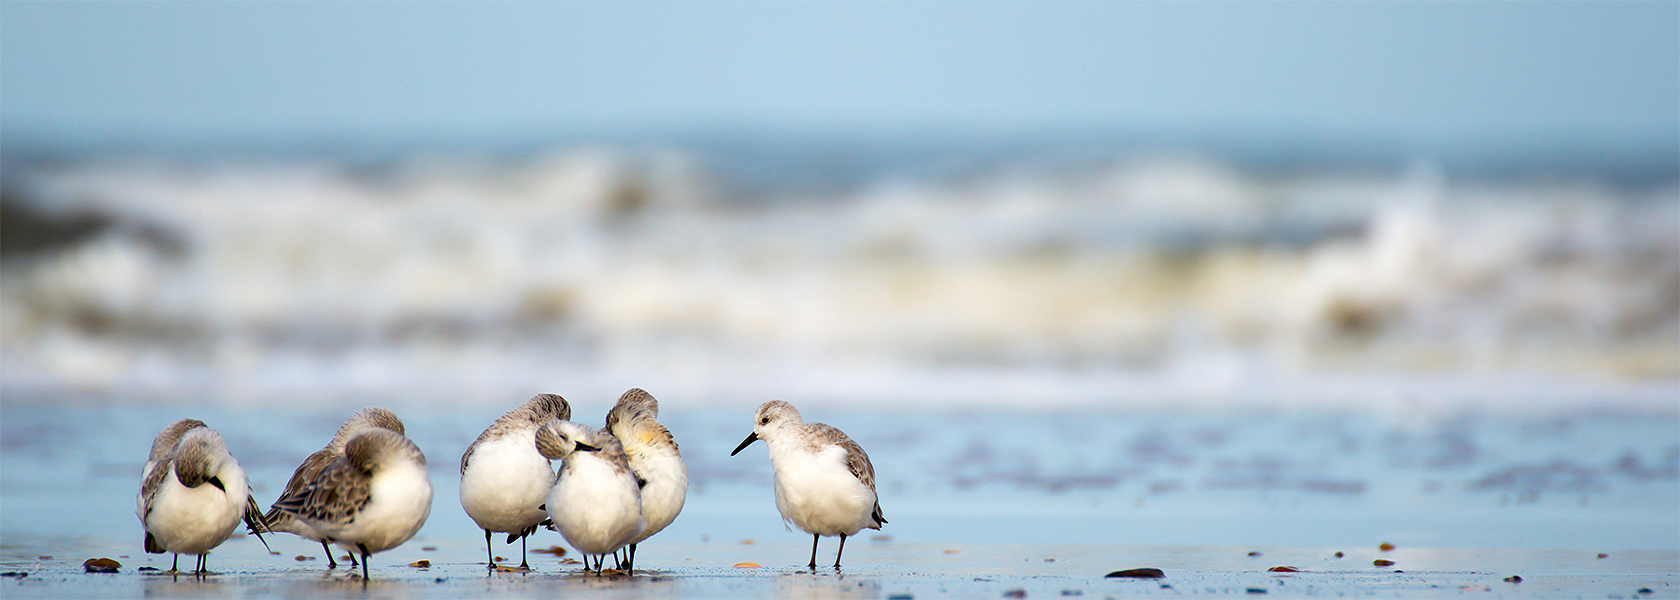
(824, 482)
(373, 498)
(192, 494)
(655, 460)
(372, 416)
(504, 480)
(596, 504)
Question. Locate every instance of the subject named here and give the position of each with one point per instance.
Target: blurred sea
(740, 274)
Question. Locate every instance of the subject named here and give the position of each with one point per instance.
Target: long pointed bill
(586, 447)
(751, 437)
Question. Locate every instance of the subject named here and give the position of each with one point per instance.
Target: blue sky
(1431, 73)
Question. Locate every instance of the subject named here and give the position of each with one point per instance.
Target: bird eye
(764, 421)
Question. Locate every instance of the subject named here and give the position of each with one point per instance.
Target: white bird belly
(818, 494)
(289, 524)
(194, 520)
(505, 483)
(596, 508)
(665, 493)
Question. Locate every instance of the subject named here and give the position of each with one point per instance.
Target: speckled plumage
(373, 498)
(165, 441)
(370, 417)
(636, 399)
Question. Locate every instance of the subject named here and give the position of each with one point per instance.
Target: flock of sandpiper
(368, 490)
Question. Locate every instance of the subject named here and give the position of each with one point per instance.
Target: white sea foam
(605, 265)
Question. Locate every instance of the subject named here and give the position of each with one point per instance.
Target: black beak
(216, 481)
(587, 448)
(751, 437)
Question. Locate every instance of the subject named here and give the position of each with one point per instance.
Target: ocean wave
(460, 270)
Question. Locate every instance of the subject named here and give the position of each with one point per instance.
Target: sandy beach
(897, 570)
(979, 508)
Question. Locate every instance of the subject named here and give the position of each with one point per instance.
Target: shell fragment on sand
(101, 565)
(1143, 573)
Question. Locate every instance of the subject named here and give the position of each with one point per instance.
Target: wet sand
(893, 569)
(980, 504)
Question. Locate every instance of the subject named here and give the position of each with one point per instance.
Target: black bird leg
(842, 551)
(814, 538)
(489, 555)
(331, 564)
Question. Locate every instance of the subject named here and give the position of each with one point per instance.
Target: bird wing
(333, 498)
(467, 456)
(857, 461)
(255, 522)
(155, 476)
(305, 473)
(656, 434)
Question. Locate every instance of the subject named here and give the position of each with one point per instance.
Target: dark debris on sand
(1143, 573)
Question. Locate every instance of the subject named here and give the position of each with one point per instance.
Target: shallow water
(979, 503)
(881, 569)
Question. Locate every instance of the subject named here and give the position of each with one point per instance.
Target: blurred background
(945, 203)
